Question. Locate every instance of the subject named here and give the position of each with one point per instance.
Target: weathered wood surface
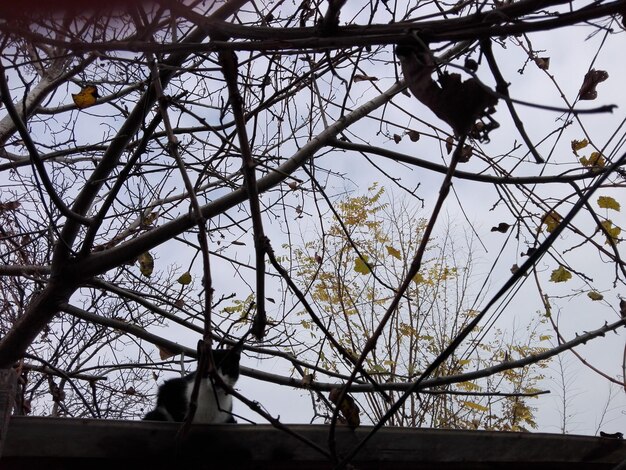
(54, 443)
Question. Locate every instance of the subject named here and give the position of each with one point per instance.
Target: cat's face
(227, 364)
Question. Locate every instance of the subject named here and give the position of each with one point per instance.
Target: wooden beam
(70, 444)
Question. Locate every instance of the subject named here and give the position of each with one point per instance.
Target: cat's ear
(238, 347)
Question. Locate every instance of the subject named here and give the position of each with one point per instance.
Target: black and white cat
(214, 404)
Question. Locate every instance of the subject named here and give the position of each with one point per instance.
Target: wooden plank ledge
(68, 443)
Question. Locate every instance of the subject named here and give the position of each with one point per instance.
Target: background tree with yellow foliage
(365, 252)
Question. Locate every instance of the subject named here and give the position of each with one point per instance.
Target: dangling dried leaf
(475, 406)
(531, 250)
(449, 144)
(579, 144)
(552, 220)
(87, 97)
(560, 275)
(413, 135)
(595, 160)
(165, 353)
(185, 279)
(622, 307)
(397, 138)
(502, 227)
(612, 230)
(607, 202)
(418, 278)
(595, 295)
(360, 266)
(459, 103)
(393, 252)
(146, 264)
(348, 407)
(543, 62)
(514, 268)
(588, 88)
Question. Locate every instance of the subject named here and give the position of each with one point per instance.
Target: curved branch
(466, 175)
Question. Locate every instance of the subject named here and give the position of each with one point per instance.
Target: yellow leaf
(595, 295)
(545, 337)
(475, 406)
(185, 279)
(146, 264)
(360, 266)
(612, 230)
(552, 220)
(469, 386)
(579, 144)
(150, 218)
(595, 160)
(418, 278)
(560, 275)
(393, 252)
(406, 330)
(607, 202)
(464, 362)
(87, 96)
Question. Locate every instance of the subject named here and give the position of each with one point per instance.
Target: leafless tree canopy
(182, 163)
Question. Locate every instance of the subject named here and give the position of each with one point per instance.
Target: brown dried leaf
(413, 135)
(449, 144)
(397, 138)
(592, 78)
(531, 250)
(578, 145)
(543, 62)
(348, 407)
(458, 103)
(502, 227)
(165, 353)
